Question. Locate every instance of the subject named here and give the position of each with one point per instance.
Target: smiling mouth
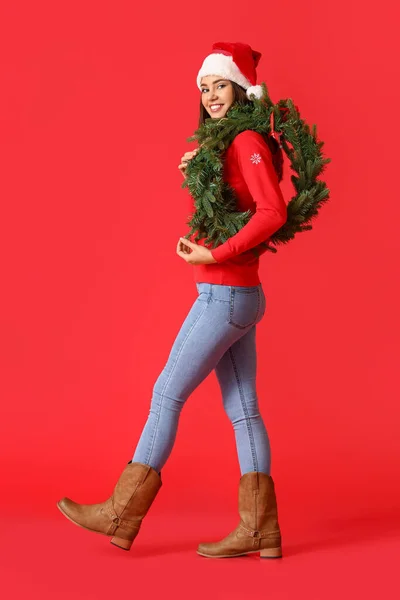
(215, 107)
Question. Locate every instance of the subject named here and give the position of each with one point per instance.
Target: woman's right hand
(185, 160)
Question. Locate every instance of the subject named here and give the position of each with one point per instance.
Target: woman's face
(216, 95)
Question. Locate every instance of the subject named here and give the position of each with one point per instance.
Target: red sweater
(248, 169)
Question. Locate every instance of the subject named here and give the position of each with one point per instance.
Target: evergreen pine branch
(216, 218)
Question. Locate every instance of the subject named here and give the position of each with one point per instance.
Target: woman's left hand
(194, 254)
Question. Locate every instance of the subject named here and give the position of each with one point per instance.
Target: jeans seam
(167, 381)
(245, 411)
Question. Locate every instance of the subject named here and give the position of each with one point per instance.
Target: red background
(97, 102)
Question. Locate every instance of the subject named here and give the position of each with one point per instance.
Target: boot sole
(123, 544)
(264, 553)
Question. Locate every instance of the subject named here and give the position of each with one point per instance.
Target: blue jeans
(218, 333)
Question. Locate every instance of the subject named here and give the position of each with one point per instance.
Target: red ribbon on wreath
(277, 134)
(274, 134)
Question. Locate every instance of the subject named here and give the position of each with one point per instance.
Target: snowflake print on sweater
(255, 158)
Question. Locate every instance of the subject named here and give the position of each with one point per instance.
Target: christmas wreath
(215, 217)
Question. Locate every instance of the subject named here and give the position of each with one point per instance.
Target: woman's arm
(255, 163)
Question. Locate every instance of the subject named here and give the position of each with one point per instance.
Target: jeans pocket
(244, 306)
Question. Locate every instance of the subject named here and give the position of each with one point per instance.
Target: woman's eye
(220, 85)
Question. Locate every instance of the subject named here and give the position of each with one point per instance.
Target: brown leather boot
(258, 530)
(121, 515)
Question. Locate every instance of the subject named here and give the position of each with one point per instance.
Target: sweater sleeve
(254, 160)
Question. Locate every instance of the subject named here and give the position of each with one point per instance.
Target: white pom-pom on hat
(256, 90)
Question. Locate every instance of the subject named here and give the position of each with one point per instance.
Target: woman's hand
(194, 254)
(185, 160)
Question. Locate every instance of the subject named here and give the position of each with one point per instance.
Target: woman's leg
(236, 374)
(219, 317)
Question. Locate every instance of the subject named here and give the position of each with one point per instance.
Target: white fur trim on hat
(256, 90)
(222, 64)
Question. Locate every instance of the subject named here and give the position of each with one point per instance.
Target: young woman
(218, 333)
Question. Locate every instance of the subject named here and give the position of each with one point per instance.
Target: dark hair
(239, 95)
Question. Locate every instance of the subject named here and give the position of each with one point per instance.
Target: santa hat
(234, 61)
